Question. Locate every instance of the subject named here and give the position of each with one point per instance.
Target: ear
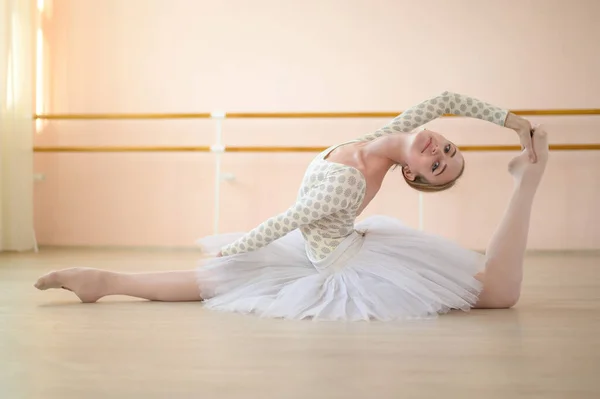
(408, 173)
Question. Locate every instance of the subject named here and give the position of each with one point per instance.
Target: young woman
(314, 261)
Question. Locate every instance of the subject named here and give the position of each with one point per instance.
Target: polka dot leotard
(331, 194)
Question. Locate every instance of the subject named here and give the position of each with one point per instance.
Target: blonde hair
(421, 184)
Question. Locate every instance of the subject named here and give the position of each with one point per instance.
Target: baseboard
(116, 248)
(196, 249)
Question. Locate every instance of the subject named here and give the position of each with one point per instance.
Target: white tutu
(389, 272)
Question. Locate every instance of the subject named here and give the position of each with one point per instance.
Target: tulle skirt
(384, 271)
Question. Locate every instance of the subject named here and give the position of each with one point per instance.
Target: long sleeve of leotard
(320, 201)
(435, 107)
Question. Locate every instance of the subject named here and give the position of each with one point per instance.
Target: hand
(219, 254)
(524, 129)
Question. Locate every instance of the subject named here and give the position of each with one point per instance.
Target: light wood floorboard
(51, 346)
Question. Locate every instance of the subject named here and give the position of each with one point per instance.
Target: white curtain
(16, 125)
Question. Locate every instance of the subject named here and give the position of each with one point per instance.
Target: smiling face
(434, 158)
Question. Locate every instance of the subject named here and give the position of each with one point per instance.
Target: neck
(387, 151)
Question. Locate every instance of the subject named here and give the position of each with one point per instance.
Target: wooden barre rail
(244, 115)
(472, 148)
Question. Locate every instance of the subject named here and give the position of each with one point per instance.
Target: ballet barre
(218, 148)
(278, 115)
(465, 148)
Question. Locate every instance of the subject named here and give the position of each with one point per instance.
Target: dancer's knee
(501, 285)
(507, 300)
(502, 299)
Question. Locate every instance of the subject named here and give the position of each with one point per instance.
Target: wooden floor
(53, 347)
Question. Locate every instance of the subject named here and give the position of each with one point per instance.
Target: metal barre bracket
(218, 115)
(217, 148)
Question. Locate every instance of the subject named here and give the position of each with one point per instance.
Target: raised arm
(435, 107)
(461, 105)
(315, 204)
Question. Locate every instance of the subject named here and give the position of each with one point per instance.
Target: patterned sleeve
(317, 203)
(435, 107)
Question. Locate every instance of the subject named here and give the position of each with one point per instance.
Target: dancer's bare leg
(504, 256)
(92, 284)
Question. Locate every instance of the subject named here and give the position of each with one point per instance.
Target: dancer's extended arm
(317, 203)
(451, 103)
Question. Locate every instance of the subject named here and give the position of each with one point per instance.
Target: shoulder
(341, 171)
(344, 179)
(335, 174)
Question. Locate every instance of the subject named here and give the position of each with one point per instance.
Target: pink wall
(236, 56)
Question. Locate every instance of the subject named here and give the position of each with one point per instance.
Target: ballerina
(315, 261)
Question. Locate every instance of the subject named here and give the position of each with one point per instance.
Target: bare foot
(521, 167)
(88, 284)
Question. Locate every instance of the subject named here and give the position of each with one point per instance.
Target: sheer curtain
(16, 125)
